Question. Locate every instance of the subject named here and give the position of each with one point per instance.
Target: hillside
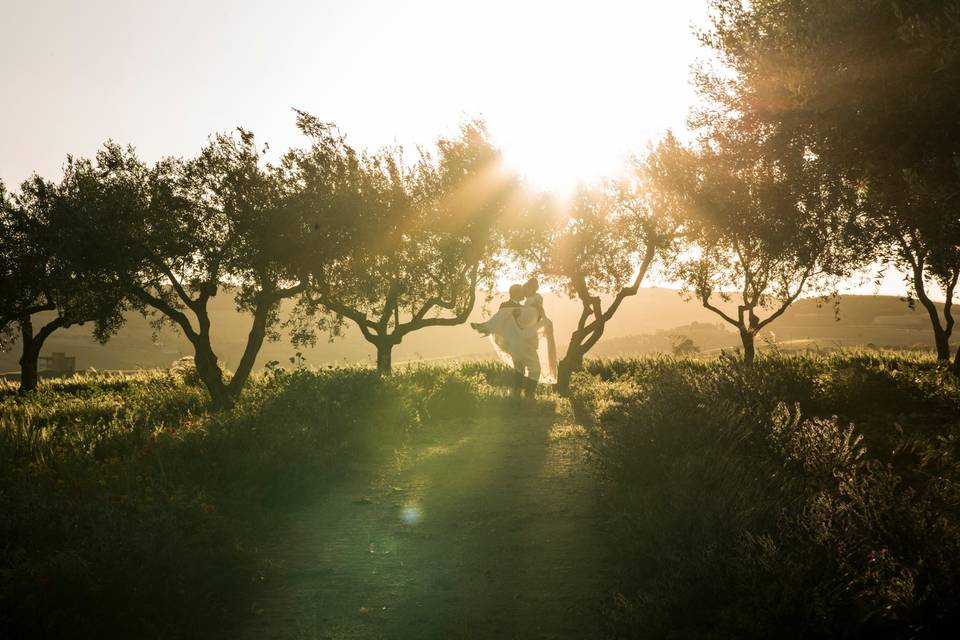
(645, 324)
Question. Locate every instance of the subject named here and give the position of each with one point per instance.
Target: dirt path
(489, 531)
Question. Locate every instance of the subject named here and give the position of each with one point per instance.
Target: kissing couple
(517, 330)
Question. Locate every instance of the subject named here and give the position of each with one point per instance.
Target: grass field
(806, 497)
(684, 498)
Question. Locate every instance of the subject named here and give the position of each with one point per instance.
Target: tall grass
(804, 497)
(129, 510)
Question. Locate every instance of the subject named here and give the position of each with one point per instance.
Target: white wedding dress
(523, 337)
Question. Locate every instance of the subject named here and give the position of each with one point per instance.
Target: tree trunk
(384, 357)
(32, 344)
(941, 337)
(942, 341)
(568, 365)
(255, 338)
(210, 374)
(29, 358)
(749, 351)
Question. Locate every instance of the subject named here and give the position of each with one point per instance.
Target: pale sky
(568, 89)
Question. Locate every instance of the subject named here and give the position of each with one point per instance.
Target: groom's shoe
(529, 388)
(518, 380)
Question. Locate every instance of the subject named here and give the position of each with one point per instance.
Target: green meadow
(806, 496)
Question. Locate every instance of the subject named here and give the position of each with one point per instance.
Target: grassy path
(486, 530)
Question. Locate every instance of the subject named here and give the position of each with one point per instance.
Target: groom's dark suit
(511, 304)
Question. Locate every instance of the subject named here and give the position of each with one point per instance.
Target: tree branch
(602, 317)
(175, 282)
(420, 320)
(255, 338)
(389, 306)
(49, 328)
(948, 300)
(705, 301)
(786, 303)
(919, 287)
(359, 318)
(288, 292)
(167, 310)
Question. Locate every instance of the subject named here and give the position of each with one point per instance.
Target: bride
(518, 328)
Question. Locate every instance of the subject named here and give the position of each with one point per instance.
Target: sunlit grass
(140, 461)
(99, 472)
(820, 489)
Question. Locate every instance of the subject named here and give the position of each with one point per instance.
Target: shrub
(748, 502)
(186, 370)
(454, 395)
(129, 510)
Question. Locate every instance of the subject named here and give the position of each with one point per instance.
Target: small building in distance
(58, 363)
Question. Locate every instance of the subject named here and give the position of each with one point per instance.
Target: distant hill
(644, 324)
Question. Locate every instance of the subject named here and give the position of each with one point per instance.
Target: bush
(129, 510)
(186, 370)
(746, 503)
(455, 395)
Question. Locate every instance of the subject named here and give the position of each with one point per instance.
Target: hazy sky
(567, 88)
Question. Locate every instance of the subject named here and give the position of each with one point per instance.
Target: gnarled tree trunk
(258, 332)
(210, 373)
(384, 344)
(223, 395)
(749, 350)
(941, 330)
(32, 344)
(384, 358)
(593, 319)
(571, 362)
(29, 357)
(941, 341)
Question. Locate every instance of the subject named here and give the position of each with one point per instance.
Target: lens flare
(411, 514)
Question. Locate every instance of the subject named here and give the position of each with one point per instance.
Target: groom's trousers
(526, 371)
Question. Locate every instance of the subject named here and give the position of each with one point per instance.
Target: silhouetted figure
(515, 329)
(535, 300)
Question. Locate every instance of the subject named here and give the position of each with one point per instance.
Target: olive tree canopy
(423, 237)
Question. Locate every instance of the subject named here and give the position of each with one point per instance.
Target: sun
(559, 162)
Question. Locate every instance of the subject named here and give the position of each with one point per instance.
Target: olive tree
(872, 89)
(184, 231)
(46, 265)
(422, 239)
(760, 230)
(598, 246)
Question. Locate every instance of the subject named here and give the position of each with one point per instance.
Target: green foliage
(177, 233)
(812, 78)
(131, 511)
(49, 262)
(803, 497)
(424, 237)
(800, 497)
(452, 393)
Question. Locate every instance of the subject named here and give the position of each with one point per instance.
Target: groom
(522, 345)
(526, 361)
